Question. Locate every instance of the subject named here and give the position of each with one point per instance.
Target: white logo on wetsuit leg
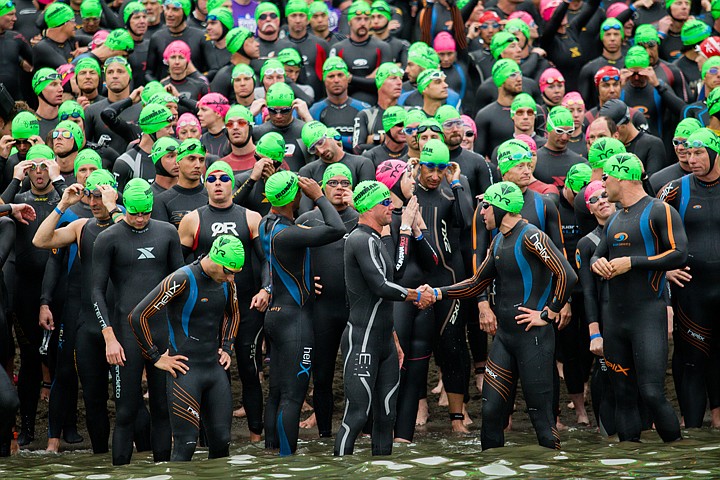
(535, 237)
(443, 230)
(222, 228)
(146, 253)
(490, 372)
(117, 381)
(306, 362)
(167, 296)
(193, 412)
(362, 368)
(455, 313)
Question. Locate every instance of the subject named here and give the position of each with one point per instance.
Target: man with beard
(555, 159)
(57, 47)
(238, 128)
(315, 138)
(135, 16)
(154, 16)
(369, 130)
(362, 53)
(188, 194)
(338, 109)
(118, 75)
(175, 29)
(164, 155)
(47, 85)
(87, 76)
(244, 49)
(314, 50)
(319, 15)
(612, 36)
(17, 54)
(644, 91)
(219, 23)
(281, 103)
(395, 144)
(267, 18)
(493, 122)
(380, 15)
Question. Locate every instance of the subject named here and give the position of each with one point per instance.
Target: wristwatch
(545, 316)
(405, 227)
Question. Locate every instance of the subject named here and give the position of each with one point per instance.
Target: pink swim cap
(215, 102)
(469, 122)
(615, 9)
(572, 98)
(178, 46)
(592, 187)
(550, 76)
(547, 8)
(66, 72)
(444, 42)
(390, 172)
(188, 119)
(98, 39)
(524, 16)
(528, 140)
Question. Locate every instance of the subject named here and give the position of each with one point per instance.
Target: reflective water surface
(585, 454)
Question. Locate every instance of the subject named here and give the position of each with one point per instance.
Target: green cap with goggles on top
(511, 153)
(368, 194)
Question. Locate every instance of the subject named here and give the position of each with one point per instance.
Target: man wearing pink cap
(212, 109)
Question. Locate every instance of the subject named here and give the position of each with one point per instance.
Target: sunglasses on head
(240, 122)
(386, 203)
(335, 183)
(564, 131)
(172, 3)
(521, 156)
(607, 78)
(312, 149)
(615, 26)
(435, 166)
(212, 18)
(424, 128)
(650, 44)
(279, 110)
(214, 178)
(65, 116)
(195, 146)
(38, 166)
(679, 141)
(455, 122)
(63, 134)
(594, 200)
(265, 16)
(493, 25)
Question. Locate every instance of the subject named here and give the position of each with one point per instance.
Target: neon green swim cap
(40, 152)
(220, 166)
(281, 188)
(24, 126)
(87, 156)
(624, 166)
(368, 194)
(312, 132)
(334, 170)
(100, 177)
(393, 116)
(703, 137)
(505, 196)
(686, 127)
(578, 176)
(512, 152)
(138, 196)
(602, 149)
(162, 147)
(228, 251)
(272, 146)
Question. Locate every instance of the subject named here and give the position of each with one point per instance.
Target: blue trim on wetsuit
(658, 107)
(289, 282)
(540, 210)
(684, 196)
(433, 21)
(463, 80)
(191, 300)
(701, 112)
(66, 218)
(284, 443)
(524, 267)
(648, 239)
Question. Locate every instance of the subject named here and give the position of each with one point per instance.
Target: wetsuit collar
(220, 209)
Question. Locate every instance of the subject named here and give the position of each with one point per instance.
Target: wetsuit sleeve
(12, 189)
(474, 286)
(564, 277)
(232, 320)
(264, 265)
(670, 194)
(153, 60)
(553, 226)
(656, 158)
(51, 276)
(122, 172)
(586, 13)
(168, 290)
(102, 255)
(480, 243)
(301, 236)
(242, 194)
(601, 251)
(111, 116)
(426, 254)
(175, 255)
(7, 238)
(674, 104)
(368, 256)
(588, 282)
(667, 227)
(551, 27)
(400, 251)
(463, 204)
(159, 212)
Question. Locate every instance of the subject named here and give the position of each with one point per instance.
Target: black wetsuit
(295, 151)
(371, 371)
(650, 232)
(494, 126)
(193, 328)
(487, 92)
(15, 48)
(216, 58)
(360, 167)
(330, 314)
(695, 357)
(367, 122)
(552, 166)
(527, 268)
(650, 150)
(659, 179)
(269, 49)
(120, 123)
(135, 261)
(216, 221)
(314, 51)
(134, 163)
(413, 261)
(341, 117)
(363, 58)
(173, 204)
(194, 37)
(288, 321)
(9, 401)
(380, 153)
(216, 144)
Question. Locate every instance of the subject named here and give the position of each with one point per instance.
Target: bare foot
(254, 437)
(240, 413)
(561, 427)
(479, 379)
(509, 425)
(560, 370)
(458, 427)
(53, 445)
(583, 419)
(309, 423)
(401, 440)
(715, 417)
(438, 388)
(467, 421)
(443, 400)
(45, 392)
(14, 447)
(423, 413)
(306, 407)
(571, 405)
